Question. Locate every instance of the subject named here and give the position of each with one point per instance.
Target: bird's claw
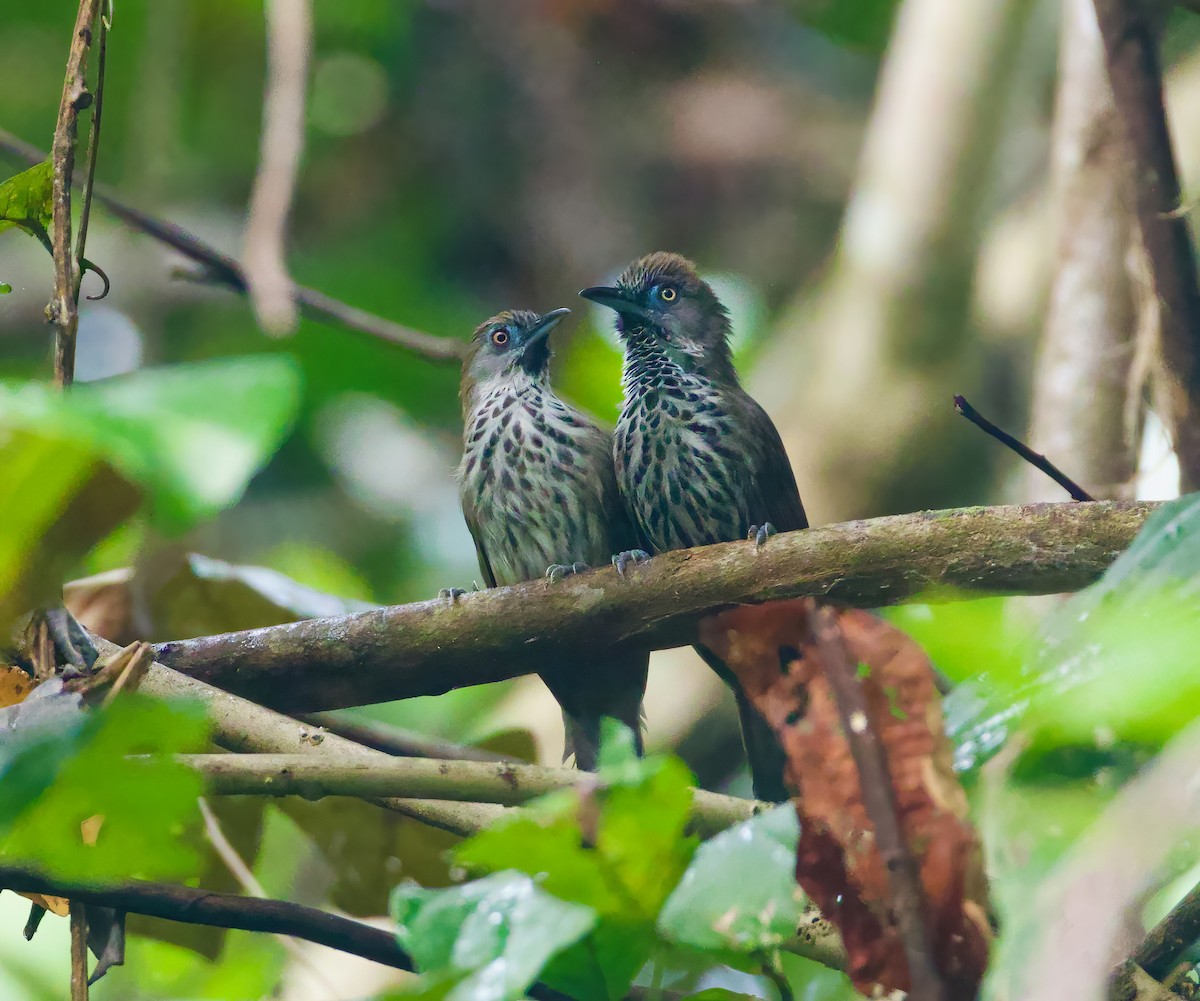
(557, 571)
(759, 534)
(451, 593)
(623, 559)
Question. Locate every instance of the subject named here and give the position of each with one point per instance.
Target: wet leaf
(488, 940)
(619, 849)
(771, 649)
(1093, 681)
(740, 891)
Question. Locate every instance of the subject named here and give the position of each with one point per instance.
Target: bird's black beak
(615, 298)
(535, 350)
(545, 323)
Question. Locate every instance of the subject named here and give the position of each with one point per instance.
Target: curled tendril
(89, 266)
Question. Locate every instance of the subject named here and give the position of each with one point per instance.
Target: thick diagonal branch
(434, 646)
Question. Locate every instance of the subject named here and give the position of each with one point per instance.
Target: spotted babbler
(698, 461)
(540, 496)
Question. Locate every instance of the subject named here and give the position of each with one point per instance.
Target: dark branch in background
(879, 799)
(434, 646)
(63, 310)
(1131, 37)
(221, 269)
(1166, 942)
(396, 741)
(1024, 451)
(221, 910)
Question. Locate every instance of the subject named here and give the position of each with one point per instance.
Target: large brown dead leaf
(770, 649)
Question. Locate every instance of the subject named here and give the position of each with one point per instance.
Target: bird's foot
(557, 571)
(454, 593)
(623, 559)
(759, 534)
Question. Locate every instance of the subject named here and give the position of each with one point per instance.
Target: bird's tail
(593, 689)
(764, 753)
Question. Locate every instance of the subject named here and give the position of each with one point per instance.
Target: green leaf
(114, 763)
(26, 202)
(193, 434)
(740, 891)
(864, 24)
(1112, 680)
(59, 496)
(1107, 658)
(488, 940)
(719, 994)
(623, 866)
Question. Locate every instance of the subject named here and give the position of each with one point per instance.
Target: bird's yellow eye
(668, 294)
(500, 336)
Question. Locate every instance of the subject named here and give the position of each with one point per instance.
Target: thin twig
(221, 269)
(250, 885)
(397, 741)
(289, 39)
(879, 798)
(1024, 451)
(431, 647)
(1131, 34)
(63, 310)
(79, 934)
(104, 22)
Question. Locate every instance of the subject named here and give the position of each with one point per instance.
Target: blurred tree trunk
(861, 379)
(1087, 412)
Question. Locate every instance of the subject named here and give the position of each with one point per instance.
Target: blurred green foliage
(612, 872)
(60, 766)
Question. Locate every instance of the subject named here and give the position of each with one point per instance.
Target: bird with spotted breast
(539, 494)
(698, 460)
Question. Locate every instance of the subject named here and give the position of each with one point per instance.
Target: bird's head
(662, 302)
(511, 344)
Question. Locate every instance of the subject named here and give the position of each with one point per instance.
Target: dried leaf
(89, 830)
(15, 684)
(770, 649)
(55, 905)
(186, 594)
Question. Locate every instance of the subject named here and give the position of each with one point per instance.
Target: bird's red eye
(500, 336)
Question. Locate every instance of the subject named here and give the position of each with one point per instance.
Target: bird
(539, 494)
(698, 461)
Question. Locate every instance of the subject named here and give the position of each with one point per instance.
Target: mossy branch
(431, 647)
(314, 776)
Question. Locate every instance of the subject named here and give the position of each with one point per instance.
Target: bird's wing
(774, 495)
(472, 520)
